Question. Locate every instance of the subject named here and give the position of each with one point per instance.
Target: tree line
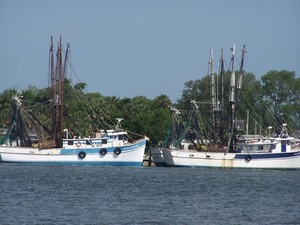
(270, 101)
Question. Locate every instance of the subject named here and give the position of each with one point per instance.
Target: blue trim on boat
(231, 168)
(72, 151)
(268, 155)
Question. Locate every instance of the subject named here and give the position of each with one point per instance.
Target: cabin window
(121, 137)
(87, 142)
(104, 141)
(70, 142)
(273, 146)
(239, 148)
(260, 147)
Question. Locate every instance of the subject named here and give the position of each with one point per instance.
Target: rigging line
(77, 97)
(82, 106)
(91, 108)
(270, 115)
(72, 69)
(37, 104)
(252, 117)
(37, 127)
(134, 133)
(251, 106)
(87, 101)
(238, 63)
(269, 109)
(249, 66)
(209, 126)
(260, 92)
(226, 65)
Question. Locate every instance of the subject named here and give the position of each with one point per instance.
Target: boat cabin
(272, 145)
(105, 139)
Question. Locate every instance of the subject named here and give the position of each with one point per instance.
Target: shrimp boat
(280, 151)
(106, 148)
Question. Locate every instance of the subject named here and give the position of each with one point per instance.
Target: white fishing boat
(110, 149)
(273, 152)
(106, 148)
(282, 152)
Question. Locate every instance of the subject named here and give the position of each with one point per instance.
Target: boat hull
(285, 160)
(157, 156)
(130, 155)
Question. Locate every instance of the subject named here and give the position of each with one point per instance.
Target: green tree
(198, 90)
(158, 119)
(5, 107)
(250, 102)
(281, 93)
(275, 98)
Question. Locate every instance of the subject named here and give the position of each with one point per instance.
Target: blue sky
(128, 48)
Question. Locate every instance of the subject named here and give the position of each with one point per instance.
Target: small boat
(281, 151)
(106, 148)
(157, 156)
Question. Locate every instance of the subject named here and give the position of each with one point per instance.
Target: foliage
(281, 93)
(88, 113)
(273, 100)
(5, 107)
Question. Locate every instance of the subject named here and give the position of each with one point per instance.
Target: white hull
(188, 158)
(131, 155)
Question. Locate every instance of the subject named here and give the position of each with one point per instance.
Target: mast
(235, 101)
(66, 59)
(213, 89)
(232, 77)
(60, 87)
(232, 101)
(52, 87)
(57, 89)
(62, 82)
(222, 81)
(241, 75)
(221, 131)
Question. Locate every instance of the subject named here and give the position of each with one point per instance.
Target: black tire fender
(248, 158)
(117, 151)
(103, 151)
(81, 155)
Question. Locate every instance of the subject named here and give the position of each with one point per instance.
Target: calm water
(149, 195)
